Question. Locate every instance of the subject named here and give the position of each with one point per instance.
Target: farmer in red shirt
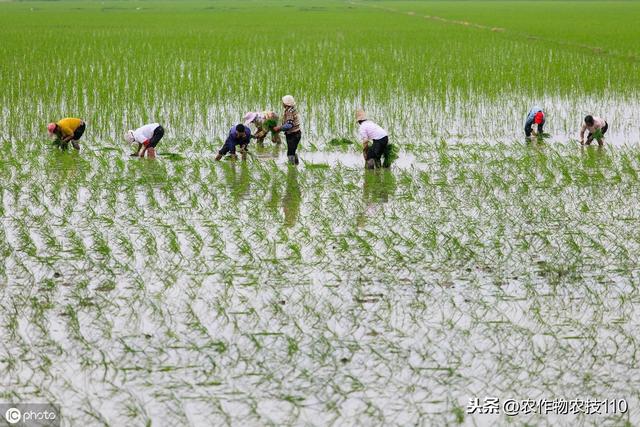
(535, 117)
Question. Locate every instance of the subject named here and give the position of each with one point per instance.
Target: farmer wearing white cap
(264, 123)
(291, 127)
(371, 132)
(147, 137)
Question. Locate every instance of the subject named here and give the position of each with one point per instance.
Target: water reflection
(67, 167)
(595, 158)
(292, 198)
(236, 181)
(150, 172)
(268, 151)
(377, 187)
(352, 159)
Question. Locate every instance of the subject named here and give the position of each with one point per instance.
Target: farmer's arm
(288, 124)
(244, 143)
(529, 121)
(137, 150)
(364, 138)
(66, 134)
(582, 130)
(230, 143)
(260, 133)
(527, 127)
(143, 143)
(143, 148)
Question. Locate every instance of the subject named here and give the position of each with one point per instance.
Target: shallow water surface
(179, 291)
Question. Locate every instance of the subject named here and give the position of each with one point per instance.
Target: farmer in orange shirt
(67, 130)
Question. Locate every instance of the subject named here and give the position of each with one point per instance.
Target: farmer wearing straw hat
(597, 127)
(291, 127)
(264, 123)
(147, 137)
(239, 135)
(371, 132)
(535, 116)
(67, 130)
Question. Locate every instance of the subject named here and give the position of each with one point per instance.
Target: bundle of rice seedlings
(390, 155)
(270, 123)
(172, 156)
(340, 141)
(310, 165)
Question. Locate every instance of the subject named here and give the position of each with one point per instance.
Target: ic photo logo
(29, 414)
(13, 415)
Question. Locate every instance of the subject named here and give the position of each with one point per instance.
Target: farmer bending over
(264, 123)
(291, 127)
(597, 127)
(147, 137)
(535, 116)
(371, 132)
(239, 135)
(67, 130)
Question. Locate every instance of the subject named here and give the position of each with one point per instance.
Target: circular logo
(12, 415)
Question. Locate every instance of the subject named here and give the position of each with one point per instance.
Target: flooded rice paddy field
(184, 291)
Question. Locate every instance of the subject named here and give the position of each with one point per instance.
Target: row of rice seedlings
(196, 98)
(497, 203)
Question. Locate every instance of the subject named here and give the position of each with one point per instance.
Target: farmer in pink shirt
(374, 140)
(597, 127)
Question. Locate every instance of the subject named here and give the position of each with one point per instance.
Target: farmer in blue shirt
(535, 116)
(239, 135)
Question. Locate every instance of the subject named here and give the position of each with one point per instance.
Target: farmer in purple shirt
(239, 135)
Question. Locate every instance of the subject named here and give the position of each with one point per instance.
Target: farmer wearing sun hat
(291, 127)
(147, 137)
(264, 123)
(371, 132)
(535, 116)
(67, 130)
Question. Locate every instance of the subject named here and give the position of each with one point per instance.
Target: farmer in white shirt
(147, 138)
(597, 127)
(374, 140)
